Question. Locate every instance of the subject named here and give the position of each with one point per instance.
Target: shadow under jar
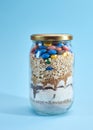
(51, 81)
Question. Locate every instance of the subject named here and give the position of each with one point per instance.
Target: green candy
(47, 61)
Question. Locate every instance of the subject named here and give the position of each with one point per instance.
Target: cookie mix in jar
(51, 81)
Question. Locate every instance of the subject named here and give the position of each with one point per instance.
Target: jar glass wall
(51, 60)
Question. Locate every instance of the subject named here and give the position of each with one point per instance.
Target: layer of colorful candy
(45, 50)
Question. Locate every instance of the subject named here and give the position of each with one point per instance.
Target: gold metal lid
(51, 37)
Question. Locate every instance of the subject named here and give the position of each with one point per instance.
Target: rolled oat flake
(51, 80)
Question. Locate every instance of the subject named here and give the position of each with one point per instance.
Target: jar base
(48, 109)
(49, 114)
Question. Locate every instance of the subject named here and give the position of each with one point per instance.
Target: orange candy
(59, 49)
(51, 47)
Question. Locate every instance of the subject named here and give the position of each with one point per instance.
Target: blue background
(18, 20)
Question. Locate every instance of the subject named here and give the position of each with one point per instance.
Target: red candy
(65, 48)
(51, 47)
(33, 49)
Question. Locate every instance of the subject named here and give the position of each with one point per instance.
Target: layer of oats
(63, 68)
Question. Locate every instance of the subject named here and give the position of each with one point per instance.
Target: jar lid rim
(51, 37)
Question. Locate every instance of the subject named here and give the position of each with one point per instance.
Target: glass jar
(51, 60)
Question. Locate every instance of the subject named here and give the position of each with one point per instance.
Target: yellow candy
(65, 54)
(47, 44)
(53, 56)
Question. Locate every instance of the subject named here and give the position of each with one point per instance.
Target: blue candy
(36, 50)
(60, 45)
(49, 68)
(45, 55)
(42, 47)
(42, 51)
(51, 52)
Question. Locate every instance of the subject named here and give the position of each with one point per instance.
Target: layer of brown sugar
(55, 82)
